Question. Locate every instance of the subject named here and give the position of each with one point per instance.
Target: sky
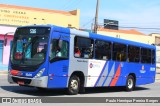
(142, 15)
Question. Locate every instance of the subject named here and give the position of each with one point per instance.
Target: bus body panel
(97, 73)
(58, 70)
(144, 73)
(27, 80)
(110, 75)
(77, 64)
(58, 74)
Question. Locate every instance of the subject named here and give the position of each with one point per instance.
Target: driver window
(59, 49)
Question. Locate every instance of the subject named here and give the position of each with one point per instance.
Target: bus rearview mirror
(5, 37)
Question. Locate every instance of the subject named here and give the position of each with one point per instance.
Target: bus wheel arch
(79, 76)
(130, 82)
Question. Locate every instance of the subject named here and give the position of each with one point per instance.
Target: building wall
(6, 49)
(158, 56)
(133, 37)
(19, 16)
(156, 38)
(12, 16)
(6, 29)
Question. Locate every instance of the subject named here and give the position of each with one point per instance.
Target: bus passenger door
(58, 60)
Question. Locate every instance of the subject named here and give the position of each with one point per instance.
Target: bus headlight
(39, 74)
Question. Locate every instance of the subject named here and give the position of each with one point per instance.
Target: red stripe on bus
(116, 76)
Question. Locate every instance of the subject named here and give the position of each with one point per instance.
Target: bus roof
(119, 40)
(93, 35)
(112, 39)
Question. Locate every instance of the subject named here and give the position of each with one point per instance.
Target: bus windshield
(29, 46)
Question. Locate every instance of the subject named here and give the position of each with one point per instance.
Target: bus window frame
(106, 41)
(58, 58)
(146, 55)
(153, 57)
(139, 54)
(93, 47)
(116, 54)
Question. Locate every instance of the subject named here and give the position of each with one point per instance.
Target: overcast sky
(129, 13)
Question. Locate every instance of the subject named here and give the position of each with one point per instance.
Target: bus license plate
(20, 82)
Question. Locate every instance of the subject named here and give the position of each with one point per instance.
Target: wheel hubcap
(74, 84)
(130, 83)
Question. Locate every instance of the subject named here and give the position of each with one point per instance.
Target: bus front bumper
(35, 82)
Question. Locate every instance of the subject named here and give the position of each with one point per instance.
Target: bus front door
(59, 61)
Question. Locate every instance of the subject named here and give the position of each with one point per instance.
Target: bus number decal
(152, 69)
(33, 31)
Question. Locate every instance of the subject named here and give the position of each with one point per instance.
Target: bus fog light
(39, 74)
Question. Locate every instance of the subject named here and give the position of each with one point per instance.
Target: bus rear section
(107, 61)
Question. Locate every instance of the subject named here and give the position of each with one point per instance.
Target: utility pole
(96, 17)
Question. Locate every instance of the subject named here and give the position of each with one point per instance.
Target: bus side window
(59, 49)
(133, 54)
(119, 52)
(83, 47)
(146, 55)
(103, 50)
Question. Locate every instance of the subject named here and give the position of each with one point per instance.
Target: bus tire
(130, 83)
(41, 89)
(74, 85)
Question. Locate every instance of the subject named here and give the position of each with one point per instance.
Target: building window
(83, 47)
(103, 50)
(119, 52)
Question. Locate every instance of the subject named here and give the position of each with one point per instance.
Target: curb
(157, 80)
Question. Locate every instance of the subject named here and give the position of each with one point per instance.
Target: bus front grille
(25, 81)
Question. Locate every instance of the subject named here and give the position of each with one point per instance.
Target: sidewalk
(158, 75)
(3, 72)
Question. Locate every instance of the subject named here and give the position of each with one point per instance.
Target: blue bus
(48, 56)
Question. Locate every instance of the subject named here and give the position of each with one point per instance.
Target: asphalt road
(13, 90)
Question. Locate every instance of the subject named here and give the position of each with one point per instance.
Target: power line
(77, 3)
(125, 27)
(73, 4)
(67, 4)
(64, 4)
(133, 27)
(88, 22)
(140, 28)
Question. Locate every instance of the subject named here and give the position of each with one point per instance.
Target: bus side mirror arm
(5, 37)
(5, 41)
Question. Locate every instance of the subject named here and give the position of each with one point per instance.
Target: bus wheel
(73, 86)
(41, 89)
(130, 83)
